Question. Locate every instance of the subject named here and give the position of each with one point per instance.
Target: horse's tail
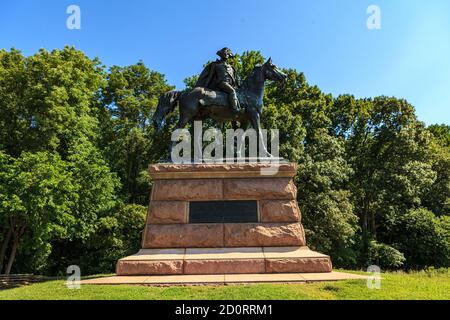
(166, 105)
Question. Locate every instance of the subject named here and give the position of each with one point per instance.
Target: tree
(117, 236)
(75, 142)
(388, 150)
(47, 100)
(299, 111)
(384, 256)
(323, 171)
(423, 238)
(325, 202)
(441, 133)
(437, 198)
(36, 196)
(130, 97)
(50, 102)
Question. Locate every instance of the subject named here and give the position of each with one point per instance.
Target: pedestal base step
(216, 261)
(223, 279)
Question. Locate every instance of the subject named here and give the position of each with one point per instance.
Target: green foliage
(46, 100)
(116, 236)
(245, 63)
(76, 140)
(37, 196)
(290, 129)
(327, 211)
(130, 97)
(384, 256)
(49, 134)
(323, 173)
(423, 238)
(441, 133)
(391, 155)
(437, 198)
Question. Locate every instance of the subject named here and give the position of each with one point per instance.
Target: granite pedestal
(215, 219)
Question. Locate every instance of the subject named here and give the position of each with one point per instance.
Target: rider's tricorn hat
(222, 52)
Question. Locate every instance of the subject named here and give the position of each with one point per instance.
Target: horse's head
(271, 72)
(166, 104)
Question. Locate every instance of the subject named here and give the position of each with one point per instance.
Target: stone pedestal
(272, 239)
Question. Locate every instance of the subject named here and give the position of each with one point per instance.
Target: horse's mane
(251, 76)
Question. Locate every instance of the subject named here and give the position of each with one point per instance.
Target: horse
(202, 103)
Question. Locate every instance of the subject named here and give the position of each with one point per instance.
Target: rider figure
(220, 75)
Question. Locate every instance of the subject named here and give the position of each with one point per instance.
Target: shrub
(384, 256)
(423, 238)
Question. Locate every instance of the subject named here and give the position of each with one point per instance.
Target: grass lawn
(399, 285)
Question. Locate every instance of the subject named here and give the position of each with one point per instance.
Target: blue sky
(327, 39)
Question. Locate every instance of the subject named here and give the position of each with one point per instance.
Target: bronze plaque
(223, 212)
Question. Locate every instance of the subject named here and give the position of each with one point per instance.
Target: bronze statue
(220, 75)
(215, 97)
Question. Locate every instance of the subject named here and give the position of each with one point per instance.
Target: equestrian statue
(218, 96)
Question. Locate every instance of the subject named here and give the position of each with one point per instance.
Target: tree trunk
(365, 222)
(373, 225)
(17, 233)
(12, 255)
(365, 230)
(4, 247)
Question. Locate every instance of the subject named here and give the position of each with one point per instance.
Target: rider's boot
(234, 103)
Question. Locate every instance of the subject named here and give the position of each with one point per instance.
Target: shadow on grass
(18, 281)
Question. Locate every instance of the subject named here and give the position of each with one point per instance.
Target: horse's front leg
(256, 124)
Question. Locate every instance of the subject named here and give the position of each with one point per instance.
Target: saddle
(217, 98)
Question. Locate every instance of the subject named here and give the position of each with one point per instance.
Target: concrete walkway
(224, 279)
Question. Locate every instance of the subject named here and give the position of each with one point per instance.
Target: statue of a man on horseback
(216, 96)
(221, 76)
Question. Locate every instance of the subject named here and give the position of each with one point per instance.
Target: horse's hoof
(269, 155)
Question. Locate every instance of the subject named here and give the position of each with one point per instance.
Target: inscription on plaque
(223, 212)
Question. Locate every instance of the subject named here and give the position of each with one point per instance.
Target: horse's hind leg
(182, 122)
(234, 125)
(197, 136)
(236, 144)
(189, 107)
(239, 145)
